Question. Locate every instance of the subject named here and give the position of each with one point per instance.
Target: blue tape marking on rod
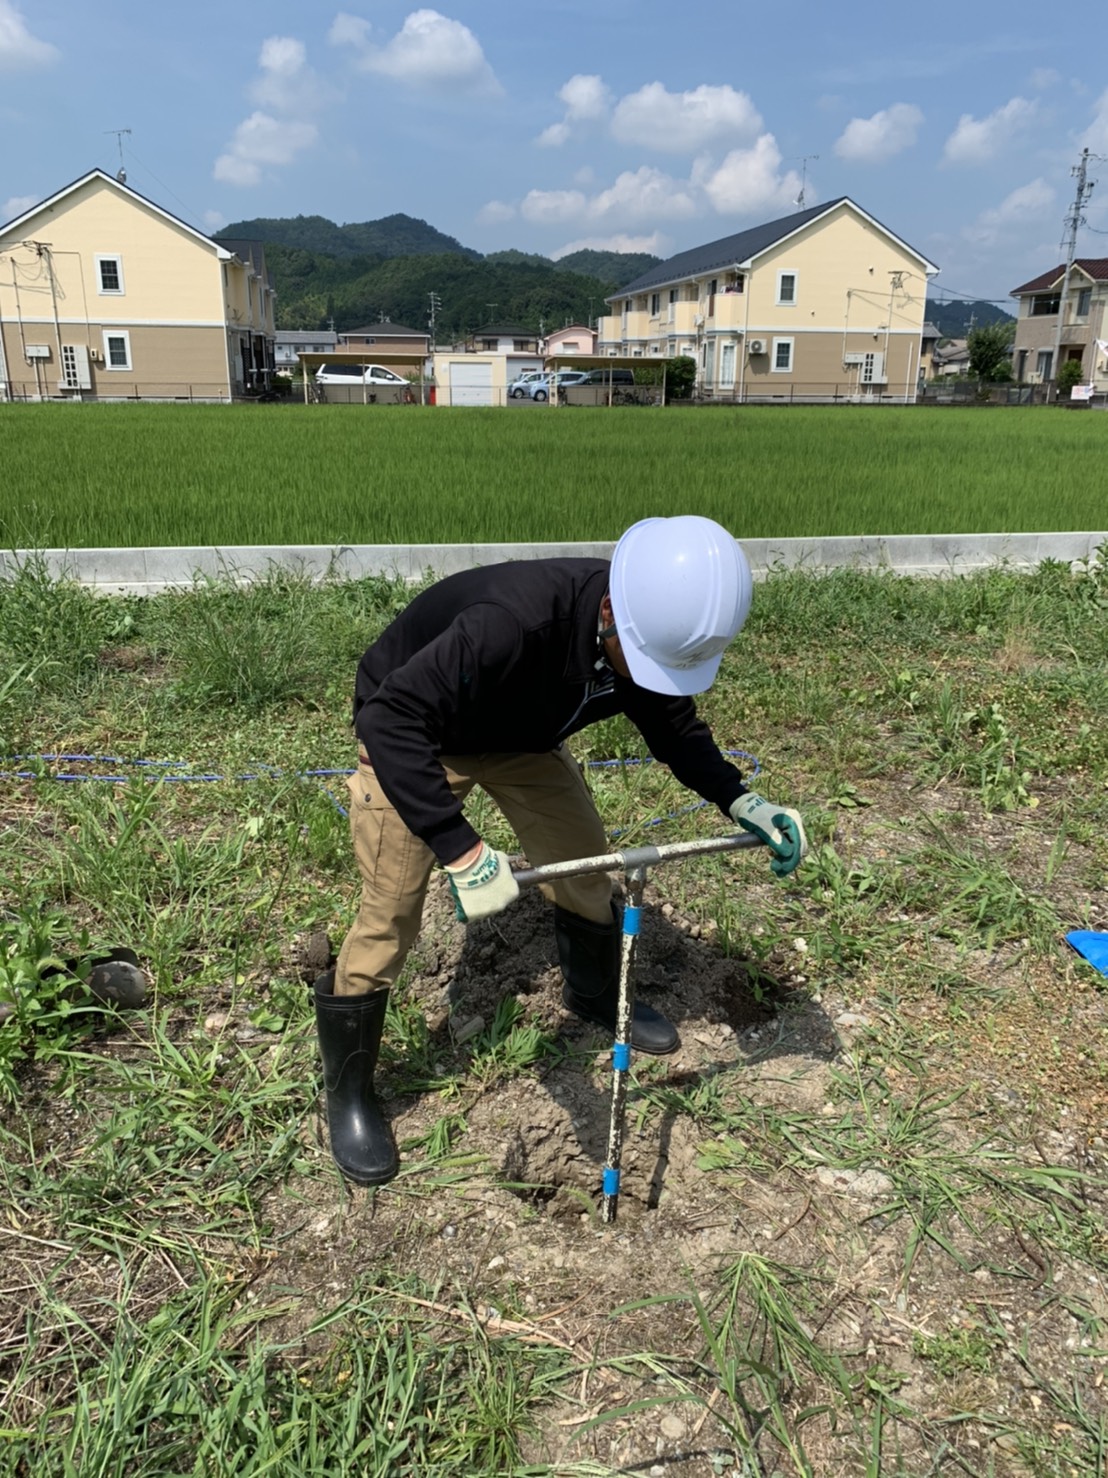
(632, 920)
(610, 1182)
(621, 1056)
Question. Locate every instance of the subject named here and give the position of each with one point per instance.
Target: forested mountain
(313, 289)
(358, 273)
(955, 319)
(616, 267)
(391, 236)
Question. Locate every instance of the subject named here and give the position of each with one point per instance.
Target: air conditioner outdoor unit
(757, 346)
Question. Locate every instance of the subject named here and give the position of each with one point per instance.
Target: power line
(195, 215)
(969, 297)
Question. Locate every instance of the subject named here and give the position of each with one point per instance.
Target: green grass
(185, 1286)
(87, 476)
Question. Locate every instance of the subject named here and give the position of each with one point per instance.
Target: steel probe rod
(634, 861)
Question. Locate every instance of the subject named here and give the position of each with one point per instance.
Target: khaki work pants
(547, 803)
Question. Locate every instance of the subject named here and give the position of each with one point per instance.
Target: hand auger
(634, 861)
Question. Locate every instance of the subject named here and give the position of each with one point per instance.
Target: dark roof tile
(731, 249)
(1096, 267)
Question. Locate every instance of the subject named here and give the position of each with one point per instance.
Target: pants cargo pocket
(390, 859)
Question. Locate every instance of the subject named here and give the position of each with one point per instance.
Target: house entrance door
(727, 365)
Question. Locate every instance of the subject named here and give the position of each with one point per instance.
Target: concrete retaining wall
(147, 571)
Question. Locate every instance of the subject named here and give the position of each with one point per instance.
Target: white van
(357, 374)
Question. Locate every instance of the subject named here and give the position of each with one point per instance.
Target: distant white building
(291, 343)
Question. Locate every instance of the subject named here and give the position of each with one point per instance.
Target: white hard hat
(680, 590)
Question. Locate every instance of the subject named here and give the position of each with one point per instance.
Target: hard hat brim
(678, 682)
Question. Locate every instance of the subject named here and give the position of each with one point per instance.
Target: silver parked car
(518, 388)
(540, 389)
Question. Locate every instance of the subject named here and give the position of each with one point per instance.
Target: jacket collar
(581, 660)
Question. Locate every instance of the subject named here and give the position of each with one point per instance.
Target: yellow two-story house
(826, 304)
(106, 296)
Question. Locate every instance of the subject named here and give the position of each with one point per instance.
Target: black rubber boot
(589, 956)
(349, 1029)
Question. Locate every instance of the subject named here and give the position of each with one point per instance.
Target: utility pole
(1074, 219)
(436, 306)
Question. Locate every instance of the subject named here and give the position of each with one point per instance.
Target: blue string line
(269, 772)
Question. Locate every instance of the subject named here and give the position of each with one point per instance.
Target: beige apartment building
(1048, 330)
(106, 296)
(825, 304)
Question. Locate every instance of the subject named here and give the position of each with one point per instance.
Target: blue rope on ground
(270, 772)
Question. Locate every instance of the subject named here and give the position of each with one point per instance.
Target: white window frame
(109, 292)
(788, 302)
(783, 369)
(117, 333)
(655, 304)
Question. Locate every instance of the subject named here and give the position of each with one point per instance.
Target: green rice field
(143, 475)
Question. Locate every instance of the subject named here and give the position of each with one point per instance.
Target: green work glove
(483, 886)
(780, 828)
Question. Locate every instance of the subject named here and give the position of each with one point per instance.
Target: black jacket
(504, 659)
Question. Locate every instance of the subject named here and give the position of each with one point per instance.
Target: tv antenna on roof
(799, 201)
(121, 172)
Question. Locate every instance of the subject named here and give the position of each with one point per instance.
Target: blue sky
(635, 124)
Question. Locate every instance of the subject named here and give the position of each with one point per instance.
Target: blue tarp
(1093, 945)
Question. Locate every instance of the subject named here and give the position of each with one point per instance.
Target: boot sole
(370, 1180)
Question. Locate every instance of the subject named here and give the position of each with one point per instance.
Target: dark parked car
(608, 377)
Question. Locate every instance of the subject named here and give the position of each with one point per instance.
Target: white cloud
(494, 212)
(430, 50)
(213, 219)
(349, 30)
(1044, 77)
(750, 180)
(1095, 137)
(554, 136)
(873, 140)
(18, 48)
(287, 84)
(15, 205)
(287, 92)
(1027, 205)
(586, 99)
(262, 140)
(683, 122)
(747, 181)
(585, 96)
(644, 194)
(656, 244)
(977, 140)
(551, 207)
